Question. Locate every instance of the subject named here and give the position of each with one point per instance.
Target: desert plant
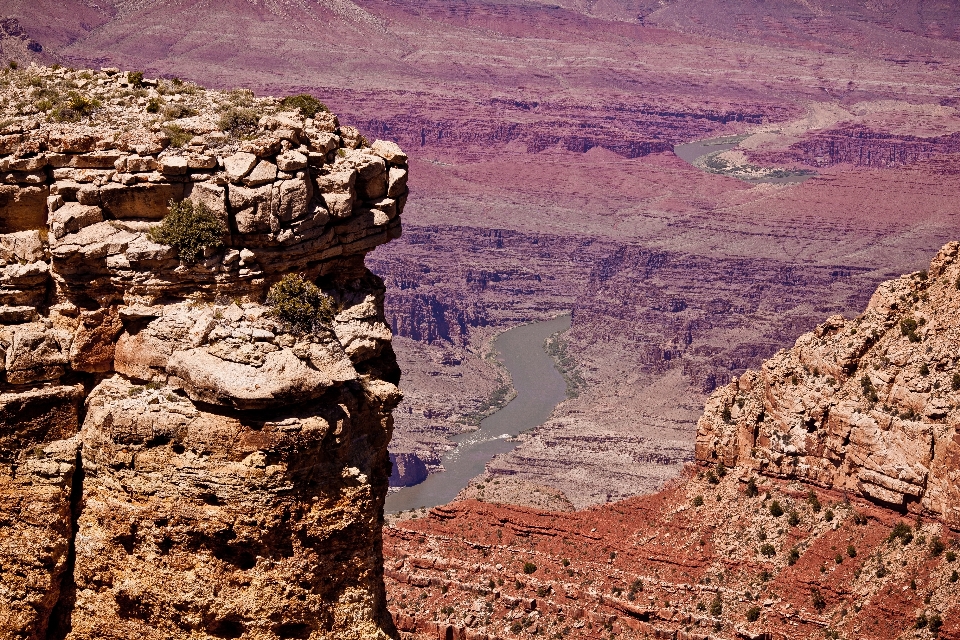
(300, 304)
(154, 105)
(819, 603)
(902, 531)
(751, 490)
(937, 546)
(135, 78)
(716, 607)
(189, 228)
(793, 556)
(851, 551)
(775, 509)
(768, 550)
(753, 614)
(869, 392)
(794, 518)
(177, 111)
(178, 135)
(307, 105)
(238, 120)
(529, 567)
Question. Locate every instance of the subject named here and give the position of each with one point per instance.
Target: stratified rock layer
(870, 406)
(175, 461)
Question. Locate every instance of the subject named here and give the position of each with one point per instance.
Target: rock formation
(868, 406)
(176, 461)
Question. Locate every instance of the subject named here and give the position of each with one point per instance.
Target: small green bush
(839, 558)
(934, 623)
(716, 607)
(902, 531)
(794, 518)
(819, 603)
(177, 111)
(712, 478)
(828, 515)
(77, 106)
(726, 415)
(793, 556)
(753, 614)
(950, 556)
(300, 304)
(869, 391)
(814, 501)
(239, 120)
(768, 550)
(721, 470)
(937, 546)
(954, 576)
(135, 78)
(154, 105)
(752, 488)
(851, 551)
(775, 509)
(529, 567)
(179, 136)
(307, 105)
(189, 228)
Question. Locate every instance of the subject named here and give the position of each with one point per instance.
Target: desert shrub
(814, 501)
(793, 556)
(178, 135)
(189, 228)
(881, 571)
(529, 567)
(950, 556)
(936, 546)
(154, 105)
(794, 518)
(954, 576)
(934, 623)
(955, 382)
(716, 607)
(828, 515)
(177, 111)
(819, 603)
(238, 120)
(307, 105)
(726, 415)
(77, 106)
(768, 550)
(13, 64)
(712, 478)
(775, 509)
(135, 78)
(924, 369)
(565, 562)
(753, 614)
(901, 531)
(721, 470)
(908, 327)
(869, 392)
(851, 551)
(859, 518)
(300, 304)
(752, 488)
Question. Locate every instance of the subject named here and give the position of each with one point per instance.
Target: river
(540, 388)
(693, 151)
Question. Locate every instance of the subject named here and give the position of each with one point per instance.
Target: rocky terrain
(540, 137)
(824, 505)
(193, 435)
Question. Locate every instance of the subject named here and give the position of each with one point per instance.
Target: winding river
(693, 151)
(540, 388)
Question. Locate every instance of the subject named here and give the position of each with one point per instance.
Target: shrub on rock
(189, 228)
(300, 304)
(307, 105)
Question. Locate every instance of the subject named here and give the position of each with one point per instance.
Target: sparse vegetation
(794, 518)
(716, 606)
(300, 304)
(698, 501)
(768, 550)
(238, 121)
(135, 78)
(901, 531)
(793, 556)
(751, 489)
(189, 228)
(529, 568)
(869, 392)
(937, 547)
(753, 614)
(819, 603)
(851, 551)
(178, 136)
(307, 105)
(908, 328)
(775, 509)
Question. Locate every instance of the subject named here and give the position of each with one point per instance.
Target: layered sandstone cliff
(176, 461)
(869, 406)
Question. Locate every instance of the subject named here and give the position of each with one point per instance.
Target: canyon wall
(867, 406)
(177, 461)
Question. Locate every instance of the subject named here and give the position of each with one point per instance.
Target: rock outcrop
(176, 461)
(869, 406)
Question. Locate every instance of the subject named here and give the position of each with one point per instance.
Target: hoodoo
(197, 377)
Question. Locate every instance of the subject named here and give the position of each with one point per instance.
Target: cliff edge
(177, 460)
(868, 406)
